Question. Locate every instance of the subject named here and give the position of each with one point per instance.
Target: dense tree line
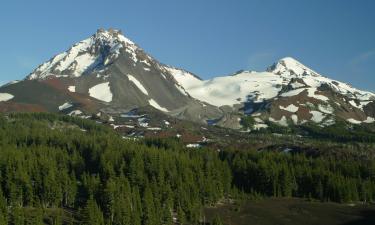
(296, 175)
(57, 169)
(51, 162)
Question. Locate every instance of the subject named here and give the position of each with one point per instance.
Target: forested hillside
(64, 170)
(53, 162)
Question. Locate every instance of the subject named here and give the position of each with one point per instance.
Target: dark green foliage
(286, 175)
(54, 163)
(217, 221)
(3, 209)
(92, 214)
(49, 162)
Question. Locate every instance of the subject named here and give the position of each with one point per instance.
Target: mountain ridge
(108, 72)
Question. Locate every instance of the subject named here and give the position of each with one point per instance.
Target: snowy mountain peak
(111, 35)
(290, 66)
(91, 54)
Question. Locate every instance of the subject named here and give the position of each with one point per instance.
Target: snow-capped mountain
(109, 73)
(287, 91)
(90, 55)
(106, 72)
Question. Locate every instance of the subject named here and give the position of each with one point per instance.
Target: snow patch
(193, 146)
(353, 121)
(329, 122)
(259, 126)
(146, 63)
(369, 120)
(291, 108)
(75, 113)
(283, 121)
(292, 92)
(311, 94)
(64, 106)
(154, 104)
(101, 92)
(294, 119)
(5, 97)
(317, 116)
(72, 88)
(138, 84)
(326, 109)
(154, 128)
(296, 85)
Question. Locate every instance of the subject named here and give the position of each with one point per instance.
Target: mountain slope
(107, 72)
(288, 92)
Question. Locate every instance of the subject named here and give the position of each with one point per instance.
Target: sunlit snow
(138, 84)
(101, 92)
(64, 106)
(154, 104)
(5, 97)
(72, 88)
(290, 108)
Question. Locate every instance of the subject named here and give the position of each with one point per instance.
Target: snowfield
(231, 90)
(101, 92)
(5, 97)
(259, 86)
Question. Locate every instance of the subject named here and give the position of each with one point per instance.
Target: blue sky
(209, 38)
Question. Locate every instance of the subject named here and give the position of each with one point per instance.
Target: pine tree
(181, 217)
(3, 209)
(92, 213)
(217, 221)
(109, 200)
(149, 214)
(136, 209)
(18, 216)
(122, 203)
(320, 190)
